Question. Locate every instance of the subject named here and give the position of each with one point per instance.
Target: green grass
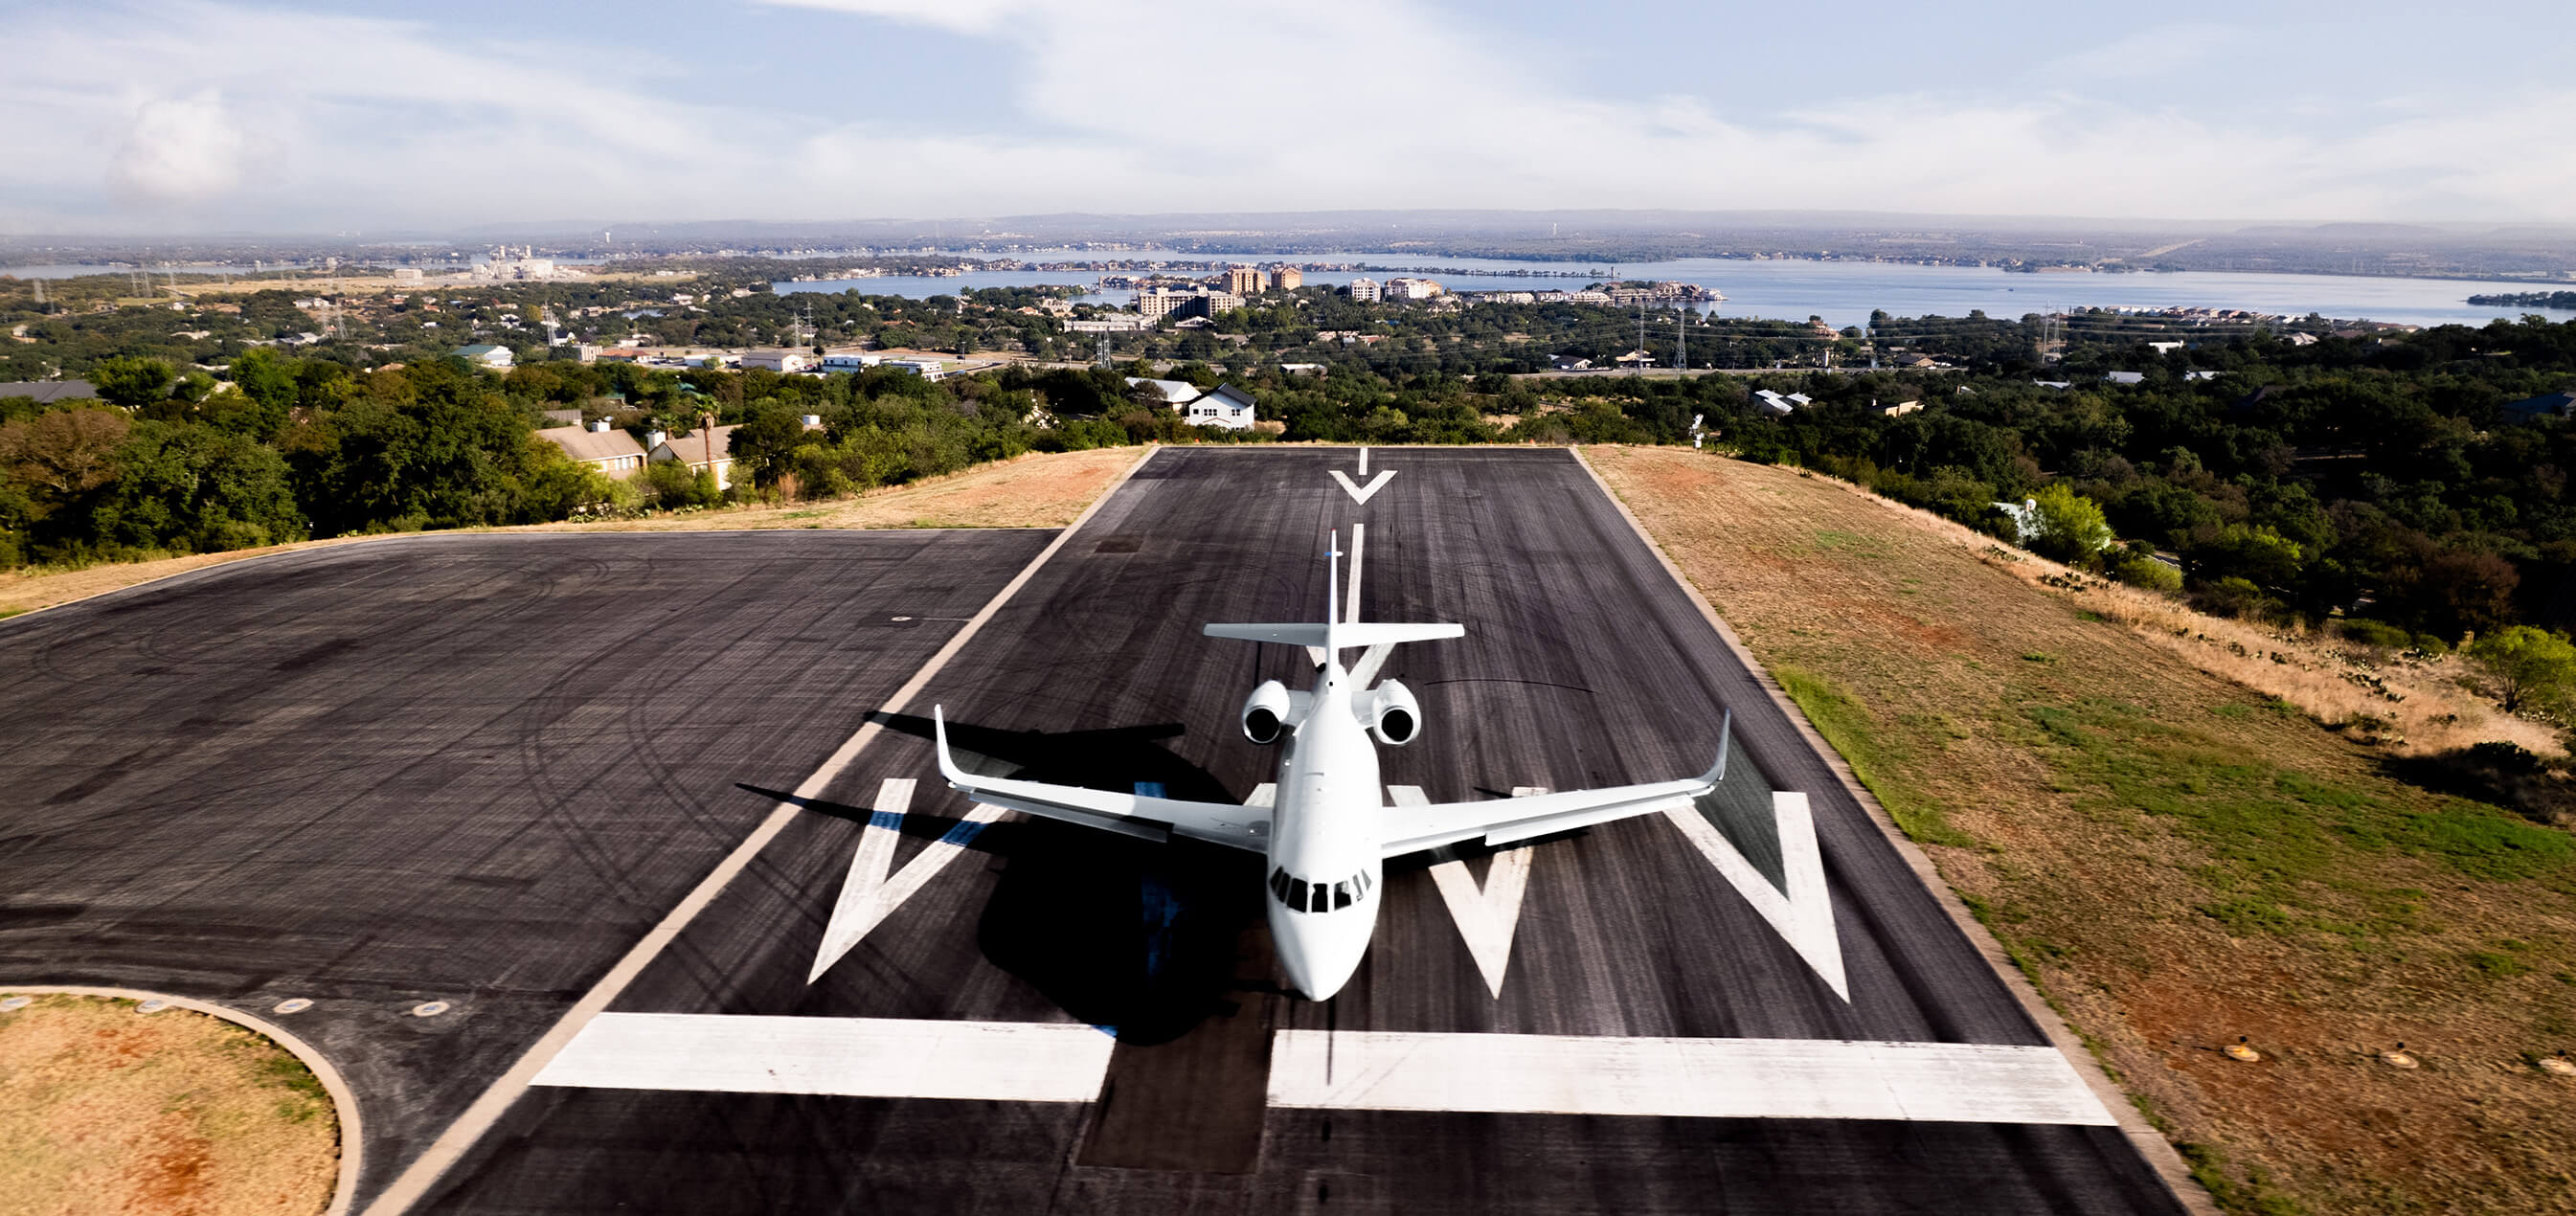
(6, 613)
(2283, 845)
(1874, 755)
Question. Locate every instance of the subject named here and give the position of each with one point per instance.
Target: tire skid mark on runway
(452, 1143)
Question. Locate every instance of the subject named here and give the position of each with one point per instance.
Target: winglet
(947, 764)
(1725, 736)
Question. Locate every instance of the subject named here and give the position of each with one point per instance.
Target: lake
(1844, 293)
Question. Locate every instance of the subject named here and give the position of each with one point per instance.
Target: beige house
(602, 447)
(702, 449)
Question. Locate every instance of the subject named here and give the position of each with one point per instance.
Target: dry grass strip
(110, 1111)
(2171, 845)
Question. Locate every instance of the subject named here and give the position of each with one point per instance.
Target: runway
(479, 769)
(897, 1007)
(460, 769)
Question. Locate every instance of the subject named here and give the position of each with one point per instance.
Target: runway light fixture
(2241, 1050)
(2558, 1064)
(155, 1005)
(15, 1003)
(293, 1005)
(429, 1009)
(2397, 1057)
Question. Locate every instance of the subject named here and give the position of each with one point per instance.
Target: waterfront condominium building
(1364, 291)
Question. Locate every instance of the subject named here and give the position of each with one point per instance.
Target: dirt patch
(110, 1110)
(1033, 491)
(2173, 846)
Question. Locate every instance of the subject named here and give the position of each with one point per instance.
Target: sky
(180, 117)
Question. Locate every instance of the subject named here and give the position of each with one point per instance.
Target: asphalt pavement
(460, 769)
(1039, 1017)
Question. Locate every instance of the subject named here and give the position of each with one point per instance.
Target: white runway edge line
(1686, 1078)
(844, 1057)
(414, 1182)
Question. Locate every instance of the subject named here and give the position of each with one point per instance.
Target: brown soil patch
(114, 1111)
(2174, 856)
(1033, 491)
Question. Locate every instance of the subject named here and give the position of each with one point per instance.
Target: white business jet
(1328, 830)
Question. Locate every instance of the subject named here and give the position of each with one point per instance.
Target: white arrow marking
(1804, 915)
(1487, 916)
(1363, 462)
(868, 896)
(1361, 494)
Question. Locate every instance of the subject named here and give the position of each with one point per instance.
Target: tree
(131, 382)
(2532, 668)
(265, 391)
(198, 489)
(2070, 527)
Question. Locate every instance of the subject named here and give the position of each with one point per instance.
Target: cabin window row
(1303, 896)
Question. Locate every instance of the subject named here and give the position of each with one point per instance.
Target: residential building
(849, 361)
(1586, 296)
(2560, 404)
(602, 447)
(1198, 302)
(1286, 278)
(778, 359)
(1900, 409)
(1174, 392)
(928, 369)
(1772, 402)
(1412, 289)
(1302, 369)
(1224, 406)
(1569, 363)
(407, 276)
(708, 448)
(1636, 358)
(1364, 291)
(1159, 302)
(485, 355)
(2125, 377)
(1243, 280)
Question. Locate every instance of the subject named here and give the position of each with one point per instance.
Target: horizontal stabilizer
(1372, 634)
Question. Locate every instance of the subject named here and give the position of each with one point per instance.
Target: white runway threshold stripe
(849, 1057)
(1689, 1078)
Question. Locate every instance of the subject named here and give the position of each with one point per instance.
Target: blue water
(1844, 293)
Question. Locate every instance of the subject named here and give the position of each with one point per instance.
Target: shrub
(2377, 634)
(2140, 570)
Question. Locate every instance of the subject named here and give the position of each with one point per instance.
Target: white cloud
(271, 120)
(180, 149)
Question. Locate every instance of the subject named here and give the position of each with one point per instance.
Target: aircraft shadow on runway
(1147, 938)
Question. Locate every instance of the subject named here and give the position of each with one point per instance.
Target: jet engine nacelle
(1266, 712)
(1393, 717)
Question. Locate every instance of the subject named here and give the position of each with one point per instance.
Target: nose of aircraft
(1317, 950)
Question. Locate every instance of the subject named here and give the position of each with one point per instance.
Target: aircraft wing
(1156, 819)
(1500, 821)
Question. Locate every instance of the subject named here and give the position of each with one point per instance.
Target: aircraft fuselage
(1324, 855)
